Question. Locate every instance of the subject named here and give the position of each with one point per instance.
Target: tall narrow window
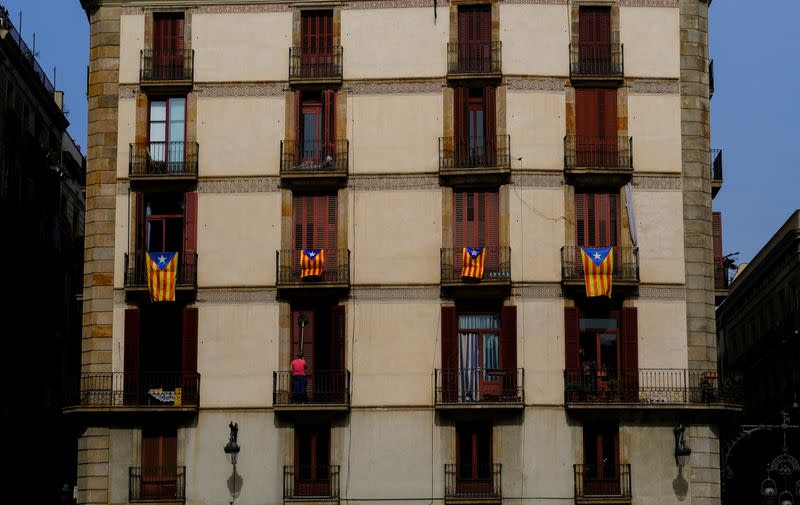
(475, 215)
(168, 44)
(596, 127)
(317, 43)
(312, 461)
(321, 340)
(315, 221)
(594, 31)
(474, 38)
(166, 222)
(596, 219)
(474, 462)
(167, 135)
(316, 133)
(159, 463)
(475, 127)
(601, 460)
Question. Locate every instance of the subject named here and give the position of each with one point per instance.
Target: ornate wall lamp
(682, 451)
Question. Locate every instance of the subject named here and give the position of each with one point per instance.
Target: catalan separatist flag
(312, 262)
(598, 265)
(472, 260)
(162, 270)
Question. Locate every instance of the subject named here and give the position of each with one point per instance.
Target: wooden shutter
(490, 122)
(508, 344)
(140, 239)
(586, 111)
(307, 334)
(159, 462)
(131, 360)
(630, 353)
(328, 122)
(475, 218)
(460, 129)
(596, 219)
(315, 222)
(339, 322)
(449, 344)
(168, 31)
(317, 32)
(189, 382)
(571, 339)
(188, 263)
(717, 231)
(594, 25)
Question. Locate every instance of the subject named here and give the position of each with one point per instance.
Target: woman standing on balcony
(299, 379)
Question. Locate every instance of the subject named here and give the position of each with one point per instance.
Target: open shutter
(328, 122)
(131, 363)
(490, 113)
(140, 240)
(460, 128)
(602, 228)
(449, 379)
(303, 339)
(630, 353)
(299, 210)
(459, 219)
(580, 218)
(189, 356)
(339, 386)
(587, 127)
(572, 377)
(189, 238)
(720, 275)
(491, 203)
(608, 127)
(508, 352)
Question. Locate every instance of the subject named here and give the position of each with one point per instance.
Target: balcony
(335, 273)
(496, 271)
(474, 60)
(716, 171)
(649, 389)
(598, 155)
(596, 61)
(465, 483)
(127, 391)
(479, 388)
(322, 390)
(163, 160)
(606, 484)
(166, 67)
(161, 484)
(314, 162)
(624, 273)
(311, 482)
(136, 273)
(467, 161)
(315, 67)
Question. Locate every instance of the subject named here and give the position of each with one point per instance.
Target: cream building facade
(392, 135)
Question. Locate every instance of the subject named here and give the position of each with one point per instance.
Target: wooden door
(596, 127)
(474, 460)
(596, 220)
(475, 225)
(312, 461)
(159, 463)
(317, 42)
(594, 27)
(474, 38)
(168, 44)
(601, 460)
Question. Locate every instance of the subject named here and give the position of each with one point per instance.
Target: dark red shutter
(580, 218)
(307, 335)
(459, 218)
(315, 222)
(328, 122)
(596, 219)
(594, 38)
(460, 129)
(159, 463)
(189, 356)
(630, 353)
(571, 330)
(131, 364)
(720, 275)
(339, 318)
(490, 113)
(140, 239)
(508, 351)
(189, 262)
(449, 379)
(317, 32)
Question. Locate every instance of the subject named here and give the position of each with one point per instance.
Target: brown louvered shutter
(298, 125)
(586, 126)
(140, 240)
(131, 363)
(608, 127)
(594, 36)
(580, 218)
(189, 355)
(602, 228)
(328, 122)
(168, 34)
(449, 379)
(340, 320)
(491, 234)
(474, 37)
(460, 128)
(189, 237)
(490, 113)
(630, 353)
(571, 329)
(459, 215)
(317, 32)
(508, 350)
(159, 462)
(304, 340)
(720, 274)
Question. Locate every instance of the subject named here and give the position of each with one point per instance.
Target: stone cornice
(649, 3)
(551, 179)
(654, 87)
(534, 84)
(658, 182)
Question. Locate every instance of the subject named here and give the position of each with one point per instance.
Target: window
(168, 45)
(601, 460)
(316, 127)
(475, 126)
(474, 458)
(594, 36)
(475, 219)
(474, 38)
(312, 461)
(321, 339)
(596, 216)
(316, 35)
(315, 222)
(599, 350)
(596, 127)
(167, 134)
(167, 222)
(159, 463)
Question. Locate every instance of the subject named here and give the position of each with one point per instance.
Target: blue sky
(753, 110)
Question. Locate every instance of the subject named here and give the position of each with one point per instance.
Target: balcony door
(601, 460)
(159, 471)
(312, 460)
(168, 45)
(599, 351)
(316, 129)
(474, 459)
(167, 222)
(317, 42)
(475, 219)
(475, 126)
(474, 38)
(167, 132)
(596, 140)
(597, 215)
(321, 340)
(594, 32)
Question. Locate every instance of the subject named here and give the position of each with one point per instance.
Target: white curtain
(468, 367)
(631, 217)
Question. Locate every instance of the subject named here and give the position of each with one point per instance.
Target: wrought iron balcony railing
(483, 152)
(166, 65)
(649, 386)
(156, 483)
(626, 264)
(598, 152)
(136, 270)
(163, 159)
(305, 64)
(317, 387)
(466, 386)
(716, 165)
(335, 268)
(474, 57)
(594, 59)
(130, 389)
(607, 480)
(496, 265)
(314, 156)
(473, 481)
(311, 481)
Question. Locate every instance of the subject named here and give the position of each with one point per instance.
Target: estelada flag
(162, 270)
(472, 260)
(598, 265)
(312, 262)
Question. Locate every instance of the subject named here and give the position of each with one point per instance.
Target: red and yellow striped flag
(162, 271)
(598, 266)
(472, 260)
(312, 262)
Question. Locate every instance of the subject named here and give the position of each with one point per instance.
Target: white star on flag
(597, 256)
(162, 259)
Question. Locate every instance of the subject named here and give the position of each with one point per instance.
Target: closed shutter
(315, 222)
(131, 363)
(594, 37)
(476, 225)
(490, 115)
(140, 240)
(508, 352)
(189, 356)
(317, 32)
(474, 37)
(303, 340)
(720, 274)
(596, 127)
(571, 336)
(168, 34)
(596, 219)
(188, 263)
(159, 463)
(339, 325)
(630, 353)
(449, 381)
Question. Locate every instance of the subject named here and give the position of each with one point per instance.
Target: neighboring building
(758, 328)
(42, 174)
(392, 135)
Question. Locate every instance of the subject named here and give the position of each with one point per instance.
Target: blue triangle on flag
(161, 259)
(597, 254)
